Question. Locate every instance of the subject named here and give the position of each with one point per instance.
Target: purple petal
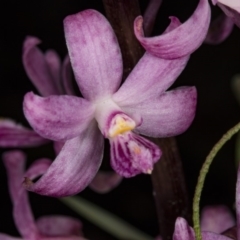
(234, 4)
(67, 77)
(169, 115)
(54, 65)
(58, 146)
(182, 230)
(23, 217)
(59, 226)
(132, 154)
(231, 13)
(15, 135)
(219, 30)
(94, 53)
(214, 236)
(105, 182)
(57, 117)
(150, 15)
(39, 69)
(181, 41)
(216, 219)
(75, 166)
(150, 78)
(39, 167)
(7, 237)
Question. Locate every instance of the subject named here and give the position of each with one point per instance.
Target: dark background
(210, 69)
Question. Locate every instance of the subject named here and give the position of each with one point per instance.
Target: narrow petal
(104, 182)
(216, 219)
(181, 41)
(214, 236)
(231, 13)
(54, 65)
(219, 30)
(57, 117)
(132, 154)
(150, 78)
(94, 53)
(234, 4)
(39, 167)
(7, 237)
(15, 135)
(59, 226)
(67, 77)
(169, 115)
(75, 166)
(182, 230)
(38, 69)
(14, 162)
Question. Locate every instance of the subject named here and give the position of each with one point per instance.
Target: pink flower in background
(231, 8)
(15, 135)
(141, 105)
(47, 227)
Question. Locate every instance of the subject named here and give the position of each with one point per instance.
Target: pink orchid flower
(51, 77)
(45, 228)
(141, 105)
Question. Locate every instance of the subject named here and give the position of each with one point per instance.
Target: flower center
(120, 124)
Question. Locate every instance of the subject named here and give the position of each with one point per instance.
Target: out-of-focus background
(210, 69)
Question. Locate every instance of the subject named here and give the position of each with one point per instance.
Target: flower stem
(170, 191)
(168, 179)
(121, 15)
(196, 218)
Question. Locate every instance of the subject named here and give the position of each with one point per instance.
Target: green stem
(196, 218)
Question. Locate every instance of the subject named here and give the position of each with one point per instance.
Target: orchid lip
(120, 124)
(112, 121)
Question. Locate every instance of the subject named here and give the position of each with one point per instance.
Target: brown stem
(121, 14)
(168, 179)
(169, 187)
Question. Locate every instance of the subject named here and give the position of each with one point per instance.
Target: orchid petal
(214, 236)
(231, 13)
(132, 154)
(150, 78)
(219, 30)
(94, 53)
(67, 76)
(105, 182)
(54, 65)
(58, 146)
(7, 237)
(169, 115)
(75, 166)
(38, 168)
(216, 219)
(59, 226)
(38, 69)
(181, 41)
(234, 4)
(14, 162)
(182, 230)
(55, 117)
(15, 135)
